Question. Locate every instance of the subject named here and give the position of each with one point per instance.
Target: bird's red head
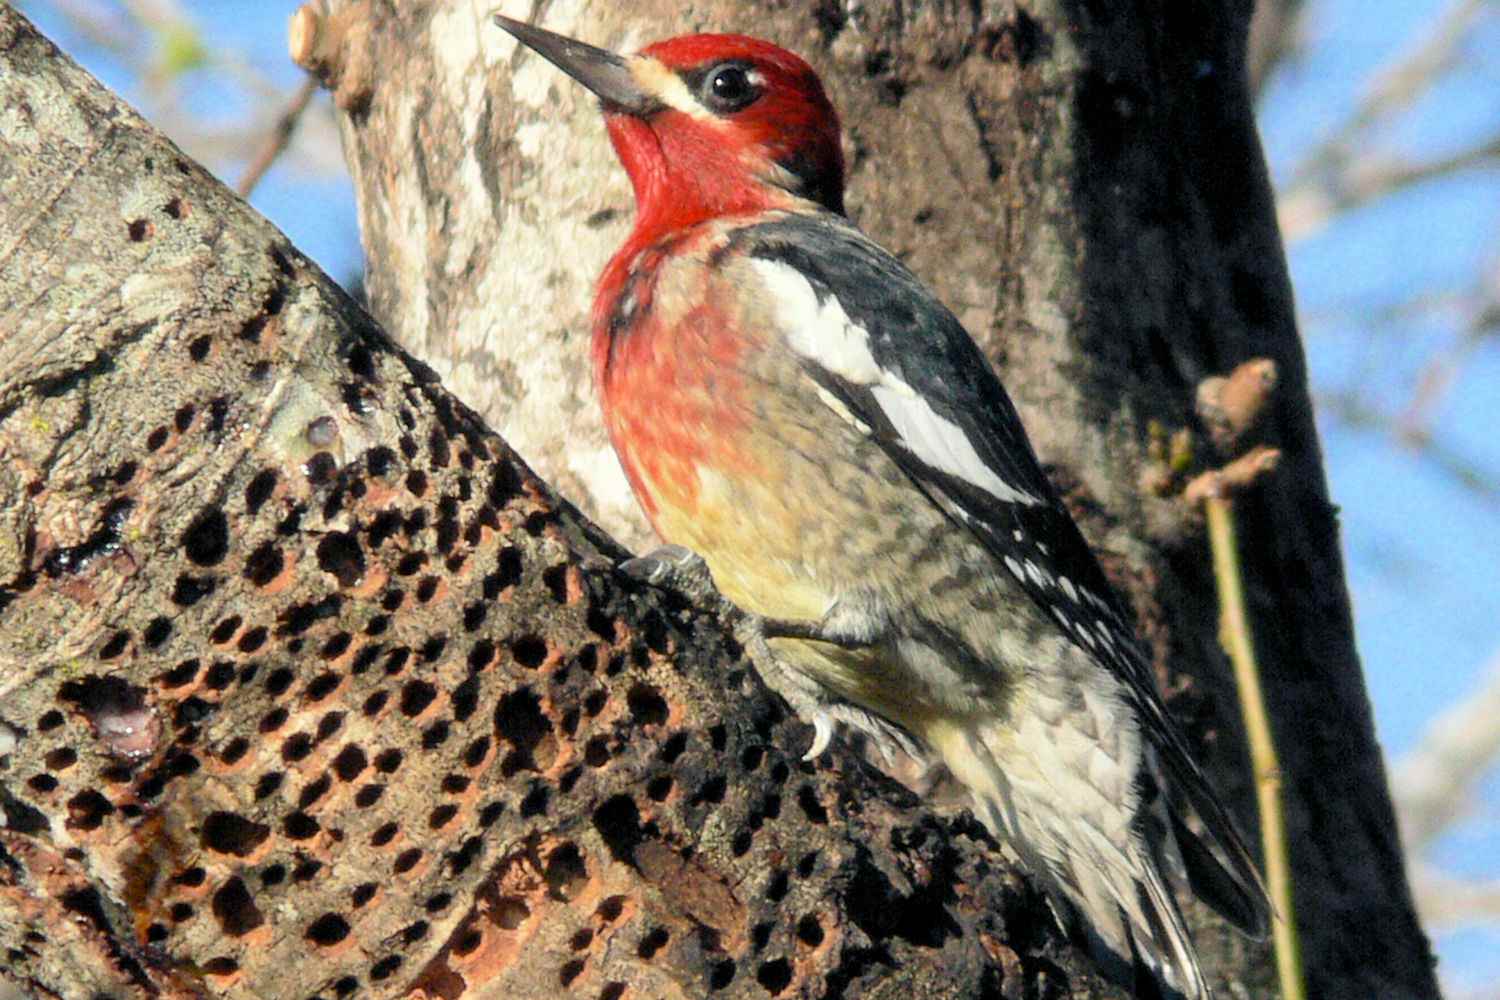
(743, 124)
(708, 125)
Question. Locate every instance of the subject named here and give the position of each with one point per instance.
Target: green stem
(1234, 633)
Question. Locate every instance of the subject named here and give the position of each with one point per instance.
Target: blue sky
(1424, 590)
(1421, 551)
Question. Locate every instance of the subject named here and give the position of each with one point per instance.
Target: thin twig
(1275, 39)
(1396, 87)
(280, 135)
(1443, 368)
(1307, 206)
(1339, 173)
(1235, 477)
(102, 31)
(1351, 408)
(1452, 903)
(1235, 635)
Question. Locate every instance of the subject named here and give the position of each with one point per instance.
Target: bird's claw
(684, 572)
(680, 569)
(674, 567)
(822, 736)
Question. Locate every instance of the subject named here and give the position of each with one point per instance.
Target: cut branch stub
(1236, 477)
(330, 46)
(1231, 405)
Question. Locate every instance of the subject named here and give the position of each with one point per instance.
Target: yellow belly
(755, 552)
(750, 546)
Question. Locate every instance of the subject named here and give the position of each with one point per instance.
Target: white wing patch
(822, 332)
(938, 441)
(1014, 565)
(837, 406)
(819, 331)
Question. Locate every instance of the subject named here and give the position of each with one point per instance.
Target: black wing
(915, 339)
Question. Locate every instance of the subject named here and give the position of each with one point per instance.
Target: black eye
(728, 88)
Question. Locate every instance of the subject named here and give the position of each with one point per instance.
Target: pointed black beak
(605, 73)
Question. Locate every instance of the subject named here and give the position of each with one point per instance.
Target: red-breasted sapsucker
(791, 404)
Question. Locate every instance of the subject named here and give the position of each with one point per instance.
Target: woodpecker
(794, 408)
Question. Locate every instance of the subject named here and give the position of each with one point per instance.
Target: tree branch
(1275, 39)
(1308, 206)
(277, 138)
(1083, 185)
(1336, 175)
(310, 687)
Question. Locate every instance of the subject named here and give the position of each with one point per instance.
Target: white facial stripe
(666, 86)
(822, 332)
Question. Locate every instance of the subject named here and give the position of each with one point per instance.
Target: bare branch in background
(1354, 410)
(1450, 903)
(109, 33)
(1401, 83)
(1335, 175)
(1305, 208)
(1444, 367)
(1433, 784)
(1276, 37)
(159, 44)
(280, 135)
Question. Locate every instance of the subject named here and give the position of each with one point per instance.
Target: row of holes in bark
(518, 719)
(646, 704)
(509, 912)
(519, 715)
(234, 908)
(205, 542)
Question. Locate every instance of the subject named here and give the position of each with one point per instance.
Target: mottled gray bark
(308, 687)
(1083, 184)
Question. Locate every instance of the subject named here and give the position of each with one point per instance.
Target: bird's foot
(680, 569)
(848, 625)
(677, 568)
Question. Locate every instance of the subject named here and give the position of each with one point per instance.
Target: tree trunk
(309, 687)
(1083, 184)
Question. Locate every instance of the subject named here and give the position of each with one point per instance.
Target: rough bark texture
(309, 688)
(1083, 184)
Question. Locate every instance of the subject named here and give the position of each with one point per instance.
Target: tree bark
(1084, 185)
(309, 687)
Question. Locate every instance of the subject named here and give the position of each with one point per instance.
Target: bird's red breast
(668, 362)
(668, 353)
